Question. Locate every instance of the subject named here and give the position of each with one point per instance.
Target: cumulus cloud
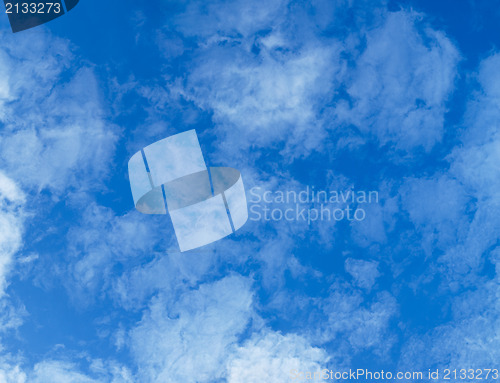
(190, 338)
(265, 99)
(287, 88)
(194, 338)
(259, 70)
(273, 357)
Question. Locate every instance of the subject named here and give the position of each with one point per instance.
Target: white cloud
(356, 323)
(474, 164)
(12, 200)
(170, 273)
(216, 19)
(477, 165)
(189, 339)
(272, 357)
(62, 371)
(365, 273)
(100, 240)
(58, 372)
(11, 372)
(259, 69)
(54, 135)
(438, 208)
(476, 161)
(194, 338)
(470, 339)
(378, 222)
(274, 87)
(266, 99)
(401, 83)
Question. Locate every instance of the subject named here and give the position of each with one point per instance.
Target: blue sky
(398, 97)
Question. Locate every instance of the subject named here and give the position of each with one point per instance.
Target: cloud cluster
(276, 88)
(471, 237)
(54, 139)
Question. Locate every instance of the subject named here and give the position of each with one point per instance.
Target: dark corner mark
(26, 14)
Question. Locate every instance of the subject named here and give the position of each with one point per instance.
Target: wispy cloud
(12, 200)
(401, 83)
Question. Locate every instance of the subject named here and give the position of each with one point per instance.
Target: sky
(401, 98)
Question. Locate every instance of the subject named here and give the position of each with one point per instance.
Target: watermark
(26, 14)
(171, 176)
(365, 375)
(310, 205)
(357, 374)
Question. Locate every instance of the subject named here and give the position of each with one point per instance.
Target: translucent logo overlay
(26, 14)
(205, 204)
